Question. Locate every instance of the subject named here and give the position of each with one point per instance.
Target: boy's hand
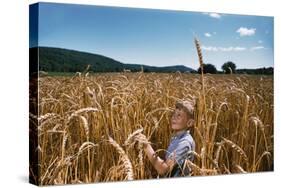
(143, 139)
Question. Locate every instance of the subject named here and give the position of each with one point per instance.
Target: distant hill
(64, 60)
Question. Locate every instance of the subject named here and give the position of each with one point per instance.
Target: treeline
(230, 68)
(266, 71)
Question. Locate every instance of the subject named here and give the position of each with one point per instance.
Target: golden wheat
(124, 158)
(233, 130)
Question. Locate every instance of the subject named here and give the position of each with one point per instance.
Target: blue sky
(158, 37)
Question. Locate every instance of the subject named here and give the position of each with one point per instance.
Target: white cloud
(210, 48)
(224, 49)
(238, 48)
(235, 49)
(260, 41)
(207, 35)
(243, 31)
(257, 48)
(228, 49)
(213, 15)
(231, 48)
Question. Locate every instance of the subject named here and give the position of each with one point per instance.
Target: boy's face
(179, 120)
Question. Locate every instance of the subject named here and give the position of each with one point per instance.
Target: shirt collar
(180, 134)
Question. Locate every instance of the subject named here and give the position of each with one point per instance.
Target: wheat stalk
(46, 116)
(237, 148)
(132, 137)
(86, 126)
(199, 170)
(82, 110)
(124, 158)
(240, 169)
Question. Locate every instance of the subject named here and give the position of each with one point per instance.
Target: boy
(180, 146)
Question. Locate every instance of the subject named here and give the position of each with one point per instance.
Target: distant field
(79, 114)
(61, 73)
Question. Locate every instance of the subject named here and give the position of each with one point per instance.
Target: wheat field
(87, 124)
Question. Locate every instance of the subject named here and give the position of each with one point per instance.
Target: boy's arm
(160, 165)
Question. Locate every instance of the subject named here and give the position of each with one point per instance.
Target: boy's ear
(190, 123)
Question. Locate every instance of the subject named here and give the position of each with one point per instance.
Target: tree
(229, 67)
(208, 68)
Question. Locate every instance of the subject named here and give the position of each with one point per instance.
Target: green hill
(64, 60)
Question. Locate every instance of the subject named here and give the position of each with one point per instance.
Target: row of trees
(228, 68)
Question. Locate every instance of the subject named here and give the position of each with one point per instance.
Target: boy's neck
(180, 132)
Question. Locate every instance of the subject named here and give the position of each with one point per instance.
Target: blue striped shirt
(180, 149)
